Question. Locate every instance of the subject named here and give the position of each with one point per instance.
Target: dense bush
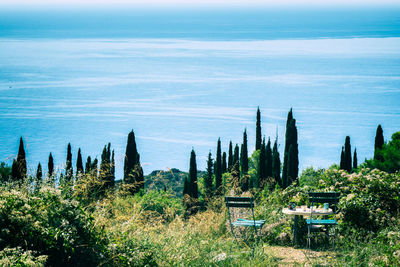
(46, 224)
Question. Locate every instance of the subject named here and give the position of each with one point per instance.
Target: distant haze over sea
(181, 79)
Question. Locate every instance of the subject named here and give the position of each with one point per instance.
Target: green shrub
(47, 224)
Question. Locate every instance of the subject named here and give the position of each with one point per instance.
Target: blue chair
(315, 224)
(241, 216)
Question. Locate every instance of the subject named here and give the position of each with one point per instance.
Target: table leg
(295, 226)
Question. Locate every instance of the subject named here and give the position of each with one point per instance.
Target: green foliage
(379, 142)
(193, 192)
(347, 155)
(50, 165)
(47, 224)
(388, 158)
(18, 169)
(208, 178)
(258, 130)
(5, 172)
(68, 167)
(230, 157)
(172, 180)
(21, 258)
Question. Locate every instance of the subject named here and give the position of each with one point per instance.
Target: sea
(182, 78)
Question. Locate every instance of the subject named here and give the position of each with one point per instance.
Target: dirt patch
(288, 256)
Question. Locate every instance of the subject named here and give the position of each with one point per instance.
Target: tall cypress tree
(79, 164)
(258, 129)
(342, 160)
(15, 174)
(133, 172)
(290, 140)
(218, 169)
(94, 167)
(39, 173)
(19, 167)
(268, 159)
(186, 187)
(347, 154)
(68, 167)
(88, 165)
(236, 156)
(223, 166)
(244, 156)
(276, 164)
(50, 165)
(208, 179)
(261, 166)
(112, 168)
(230, 156)
(193, 175)
(379, 141)
(355, 159)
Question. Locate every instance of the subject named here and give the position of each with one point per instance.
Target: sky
(222, 3)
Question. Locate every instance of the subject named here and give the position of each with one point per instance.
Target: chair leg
(309, 237)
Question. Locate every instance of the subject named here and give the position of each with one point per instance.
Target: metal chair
(322, 225)
(241, 218)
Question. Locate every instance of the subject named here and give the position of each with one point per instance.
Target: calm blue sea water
(182, 79)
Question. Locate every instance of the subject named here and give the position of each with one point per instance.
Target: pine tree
(290, 140)
(88, 165)
(355, 159)
(276, 164)
(347, 154)
(223, 166)
(68, 167)
(258, 129)
(218, 169)
(244, 156)
(39, 174)
(261, 166)
(268, 159)
(379, 141)
(106, 168)
(230, 156)
(133, 172)
(193, 175)
(342, 160)
(79, 164)
(50, 165)
(208, 179)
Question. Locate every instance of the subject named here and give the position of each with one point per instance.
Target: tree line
(233, 167)
(104, 175)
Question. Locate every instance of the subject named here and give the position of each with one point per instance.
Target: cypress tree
(379, 141)
(68, 166)
(218, 169)
(355, 159)
(261, 166)
(112, 168)
(133, 172)
(268, 159)
(236, 155)
(88, 165)
(186, 187)
(244, 157)
(276, 164)
(93, 168)
(193, 175)
(50, 165)
(20, 170)
(39, 174)
(347, 154)
(208, 179)
(79, 164)
(342, 160)
(258, 129)
(230, 156)
(290, 140)
(223, 166)
(15, 171)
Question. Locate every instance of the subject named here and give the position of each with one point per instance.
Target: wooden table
(307, 212)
